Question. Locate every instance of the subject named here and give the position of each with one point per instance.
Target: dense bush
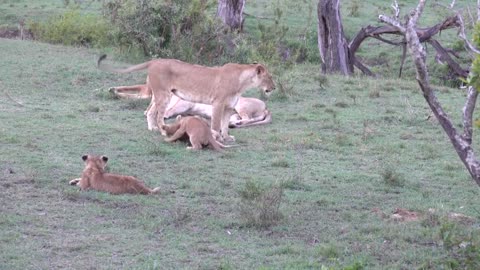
(73, 28)
(475, 71)
(187, 30)
(182, 29)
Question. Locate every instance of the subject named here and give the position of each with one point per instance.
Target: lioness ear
(260, 70)
(105, 159)
(178, 117)
(84, 157)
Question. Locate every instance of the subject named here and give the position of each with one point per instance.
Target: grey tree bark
(462, 143)
(231, 13)
(332, 44)
(338, 56)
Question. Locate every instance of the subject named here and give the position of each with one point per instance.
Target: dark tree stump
(231, 13)
(332, 44)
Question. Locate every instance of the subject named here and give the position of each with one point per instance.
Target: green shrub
(260, 206)
(473, 77)
(182, 29)
(72, 28)
(392, 178)
(462, 248)
(187, 30)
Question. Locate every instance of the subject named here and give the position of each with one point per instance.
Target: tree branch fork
(461, 142)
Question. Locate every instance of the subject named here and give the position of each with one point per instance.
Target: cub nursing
(195, 129)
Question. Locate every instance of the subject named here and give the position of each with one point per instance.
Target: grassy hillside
(14, 10)
(300, 18)
(345, 156)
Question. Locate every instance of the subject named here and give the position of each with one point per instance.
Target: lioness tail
(119, 70)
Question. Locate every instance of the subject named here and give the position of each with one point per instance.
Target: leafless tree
(461, 141)
(332, 44)
(338, 55)
(231, 13)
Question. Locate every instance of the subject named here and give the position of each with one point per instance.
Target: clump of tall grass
(260, 206)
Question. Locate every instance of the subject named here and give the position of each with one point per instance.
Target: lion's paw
(217, 136)
(74, 181)
(229, 138)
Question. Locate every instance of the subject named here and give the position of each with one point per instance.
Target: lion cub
(94, 177)
(195, 129)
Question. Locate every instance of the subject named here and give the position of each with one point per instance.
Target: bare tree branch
(452, 4)
(461, 143)
(445, 56)
(388, 41)
(396, 9)
(463, 36)
(478, 10)
(404, 54)
(363, 68)
(392, 22)
(416, 13)
(471, 17)
(468, 110)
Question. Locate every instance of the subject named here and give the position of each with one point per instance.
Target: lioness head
(263, 79)
(99, 162)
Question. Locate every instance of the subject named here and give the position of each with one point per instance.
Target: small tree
(231, 13)
(338, 55)
(462, 142)
(332, 44)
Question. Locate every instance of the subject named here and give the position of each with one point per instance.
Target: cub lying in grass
(195, 129)
(94, 177)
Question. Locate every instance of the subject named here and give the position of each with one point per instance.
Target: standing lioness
(94, 177)
(219, 86)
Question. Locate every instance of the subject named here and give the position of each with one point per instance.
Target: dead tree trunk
(231, 13)
(332, 44)
(461, 142)
(339, 56)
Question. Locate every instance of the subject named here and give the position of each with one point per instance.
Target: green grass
(340, 149)
(15, 10)
(333, 174)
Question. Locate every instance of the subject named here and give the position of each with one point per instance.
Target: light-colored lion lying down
(247, 112)
(94, 177)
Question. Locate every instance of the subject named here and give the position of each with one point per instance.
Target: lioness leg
(161, 98)
(125, 91)
(156, 111)
(151, 114)
(227, 112)
(217, 112)
(148, 108)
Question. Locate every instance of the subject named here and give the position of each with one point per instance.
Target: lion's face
(264, 80)
(95, 161)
